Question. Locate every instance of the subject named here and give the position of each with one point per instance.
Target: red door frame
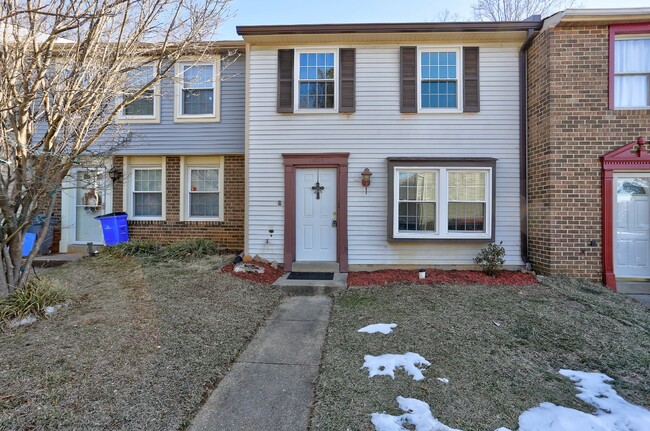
(632, 157)
(321, 160)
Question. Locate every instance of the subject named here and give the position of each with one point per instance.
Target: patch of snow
(384, 365)
(384, 328)
(417, 413)
(52, 309)
(613, 412)
(23, 322)
(442, 379)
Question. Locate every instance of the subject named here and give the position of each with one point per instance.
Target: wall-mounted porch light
(365, 178)
(115, 174)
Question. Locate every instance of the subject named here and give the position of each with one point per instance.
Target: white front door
(632, 226)
(316, 215)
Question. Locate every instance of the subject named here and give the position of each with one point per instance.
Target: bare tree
(447, 16)
(64, 78)
(516, 10)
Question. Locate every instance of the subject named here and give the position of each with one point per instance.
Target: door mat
(311, 276)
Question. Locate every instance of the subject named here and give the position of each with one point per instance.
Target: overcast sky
(256, 12)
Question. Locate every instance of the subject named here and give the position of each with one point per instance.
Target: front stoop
(313, 287)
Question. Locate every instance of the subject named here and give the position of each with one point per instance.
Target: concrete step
(58, 259)
(313, 287)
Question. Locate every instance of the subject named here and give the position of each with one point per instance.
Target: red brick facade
(229, 233)
(570, 126)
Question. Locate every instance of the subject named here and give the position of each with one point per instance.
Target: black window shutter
(408, 78)
(347, 82)
(285, 80)
(471, 88)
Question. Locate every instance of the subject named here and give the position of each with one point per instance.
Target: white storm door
(316, 215)
(632, 226)
(91, 187)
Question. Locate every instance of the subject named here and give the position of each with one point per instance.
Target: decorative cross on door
(318, 188)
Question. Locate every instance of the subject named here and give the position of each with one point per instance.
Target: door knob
(333, 223)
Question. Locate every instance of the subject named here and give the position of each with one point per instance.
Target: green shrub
(136, 247)
(191, 248)
(491, 258)
(31, 299)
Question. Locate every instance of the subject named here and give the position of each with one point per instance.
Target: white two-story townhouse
(375, 145)
(176, 159)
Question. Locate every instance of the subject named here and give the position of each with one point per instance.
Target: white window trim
(296, 81)
(185, 192)
(143, 119)
(631, 36)
(131, 188)
(179, 117)
(442, 204)
(459, 78)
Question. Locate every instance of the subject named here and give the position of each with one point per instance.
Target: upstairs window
(146, 106)
(316, 80)
(632, 71)
(629, 66)
(439, 79)
(197, 92)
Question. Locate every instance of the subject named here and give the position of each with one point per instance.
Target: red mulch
(438, 276)
(269, 276)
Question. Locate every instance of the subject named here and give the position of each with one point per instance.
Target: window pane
(204, 204)
(631, 91)
(417, 216)
(466, 217)
(146, 180)
(632, 56)
(438, 88)
(466, 186)
(198, 76)
(147, 204)
(204, 180)
(198, 102)
(141, 106)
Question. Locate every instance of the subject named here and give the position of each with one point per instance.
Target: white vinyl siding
(378, 130)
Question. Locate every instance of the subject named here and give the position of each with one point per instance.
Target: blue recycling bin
(28, 243)
(114, 227)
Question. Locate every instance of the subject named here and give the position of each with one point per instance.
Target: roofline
(597, 15)
(423, 27)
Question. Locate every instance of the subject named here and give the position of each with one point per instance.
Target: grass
(495, 372)
(190, 248)
(139, 347)
(38, 294)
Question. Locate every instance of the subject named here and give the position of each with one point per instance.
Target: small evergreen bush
(491, 258)
(31, 299)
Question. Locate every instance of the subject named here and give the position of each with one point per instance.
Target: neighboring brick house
(179, 172)
(588, 95)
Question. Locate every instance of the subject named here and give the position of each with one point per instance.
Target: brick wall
(229, 233)
(570, 127)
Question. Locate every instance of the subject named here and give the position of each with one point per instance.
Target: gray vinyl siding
(167, 137)
(378, 130)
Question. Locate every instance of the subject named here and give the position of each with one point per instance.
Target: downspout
(523, 143)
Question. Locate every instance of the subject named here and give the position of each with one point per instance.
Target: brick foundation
(228, 233)
(570, 126)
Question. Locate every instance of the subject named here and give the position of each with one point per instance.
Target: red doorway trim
(322, 160)
(630, 157)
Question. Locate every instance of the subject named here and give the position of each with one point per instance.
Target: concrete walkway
(270, 387)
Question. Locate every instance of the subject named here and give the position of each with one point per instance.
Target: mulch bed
(438, 276)
(268, 277)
